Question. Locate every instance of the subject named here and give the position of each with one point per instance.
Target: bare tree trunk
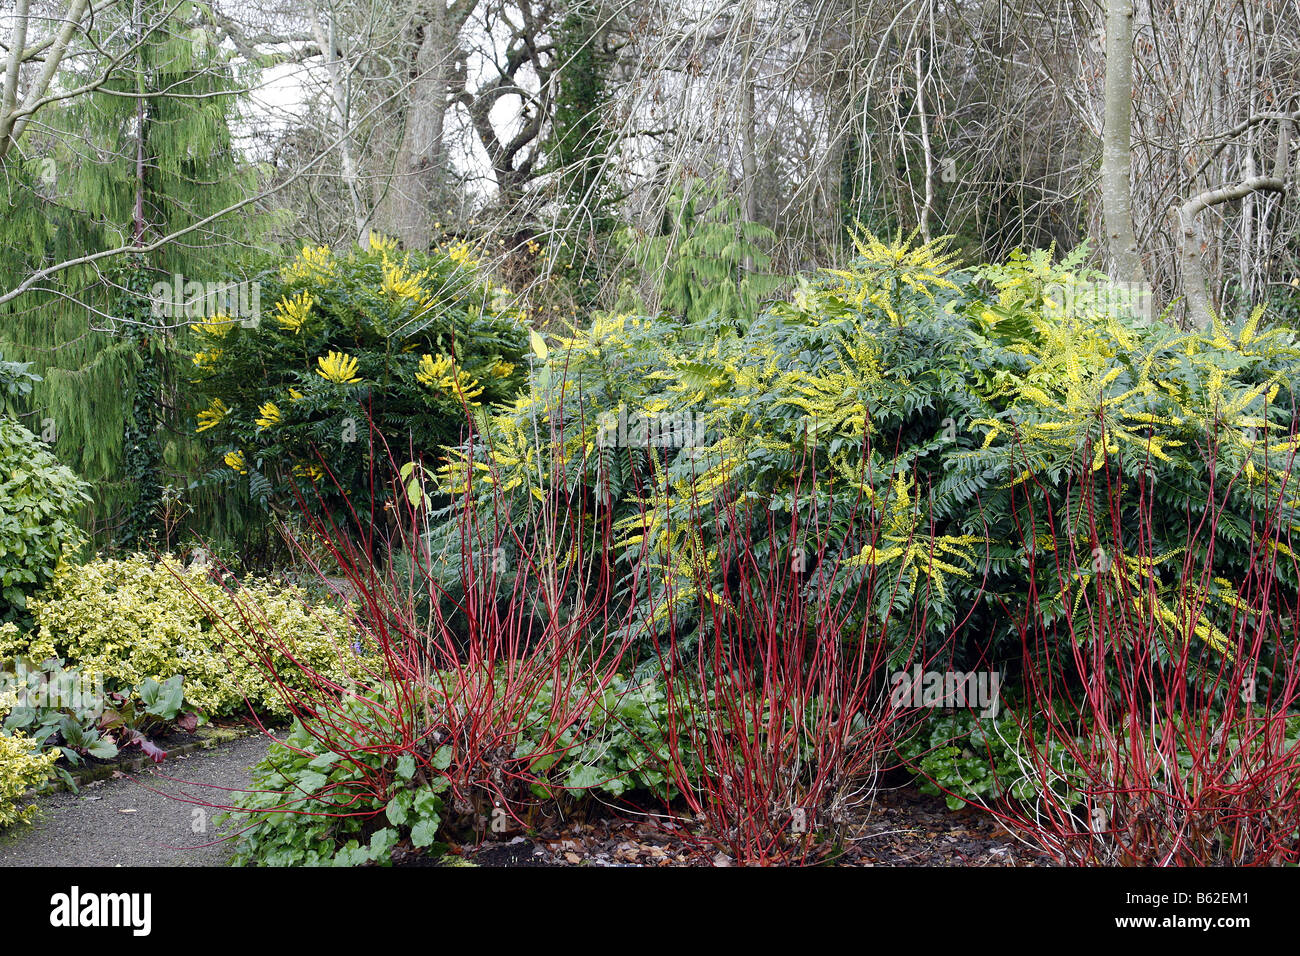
(928, 201)
(1116, 156)
(748, 133)
(138, 226)
(1200, 307)
(340, 108)
(421, 156)
(9, 96)
(14, 119)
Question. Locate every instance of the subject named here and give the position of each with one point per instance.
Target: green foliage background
(158, 132)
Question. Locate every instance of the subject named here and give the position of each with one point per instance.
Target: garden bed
(901, 827)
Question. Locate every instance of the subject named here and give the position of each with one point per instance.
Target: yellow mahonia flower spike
(268, 415)
(382, 244)
(215, 327)
(885, 268)
(312, 263)
(338, 368)
(434, 371)
(292, 314)
(459, 253)
(206, 360)
(401, 283)
(212, 416)
(441, 373)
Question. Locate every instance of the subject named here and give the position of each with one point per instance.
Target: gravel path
(121, 822)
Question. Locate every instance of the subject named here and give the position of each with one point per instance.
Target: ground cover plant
(125, 652)
(55, 721)
(23, 767)
(127, 620)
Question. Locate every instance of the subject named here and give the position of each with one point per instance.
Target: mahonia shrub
(933, 402)
(130, 619)
(39, 501)
(401, 343)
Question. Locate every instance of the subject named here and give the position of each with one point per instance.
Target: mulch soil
(900, 827)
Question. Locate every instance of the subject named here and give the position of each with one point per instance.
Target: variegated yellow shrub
(135, 618)
(22, 766)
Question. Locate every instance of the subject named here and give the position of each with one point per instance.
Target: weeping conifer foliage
(708, 261)
(150, 153)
